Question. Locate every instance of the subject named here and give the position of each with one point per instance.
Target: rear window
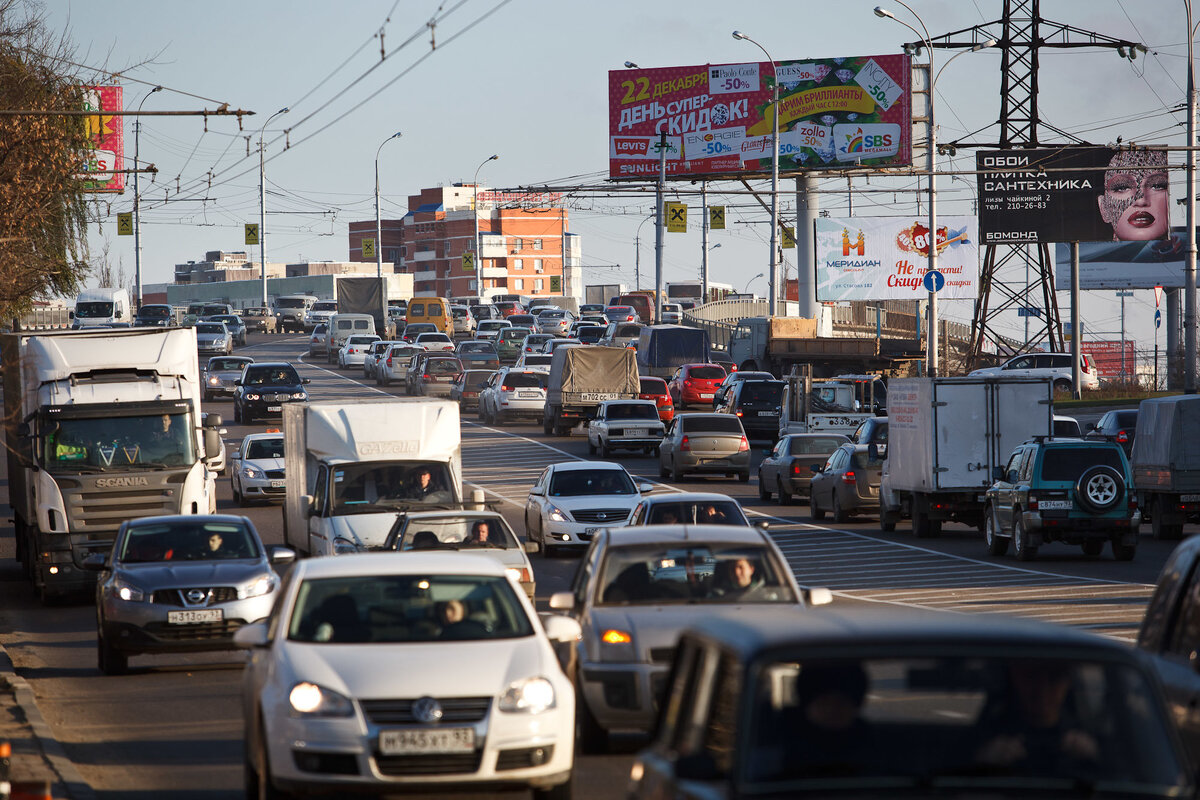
(629, 329)
(653, 386)
(538, 360)
(707, 373)
(804, 446)
(442, 366)
(1068, 463)
(362, 339)
(362, 324)
(722, 423)
(761, 392)
(417, 309)
(477, 347)
(524, 380)
(1127, 419)
(631, 411)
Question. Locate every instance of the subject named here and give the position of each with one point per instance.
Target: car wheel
(258, 774)
(839, 514)
(604, 451)
(1061, 385)
(547, 426)
(237, 496)
(208, 398)
(1021, 548)
(676, 472)
(887, 521)
(764, 494)
(744, 477)
(591, 447)
(1123, 552)
(785, 497)
(237, 414)
(498, 418)
(592, 737)
(1099, 488)
(1092, 547)
(997, 545)
(924, 527)
(814, 510)
(662, 469)
(110, 660)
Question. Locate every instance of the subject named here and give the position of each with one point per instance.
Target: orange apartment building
(521, 236)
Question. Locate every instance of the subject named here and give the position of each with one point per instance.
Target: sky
(527, 80)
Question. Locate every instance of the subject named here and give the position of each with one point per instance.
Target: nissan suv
(1056, 366)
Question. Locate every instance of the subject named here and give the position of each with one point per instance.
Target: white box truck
(945, 436)
(353, 467)
(95, 308)
(101, 426)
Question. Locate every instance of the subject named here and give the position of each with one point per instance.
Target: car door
(822, 481)
(533, 506)
(1179, 663)
(667, 447)
(1002, 490)
(769, 469)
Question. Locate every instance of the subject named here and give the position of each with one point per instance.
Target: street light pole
(379, 235)
(774, 278)
(262, 204)
(637, 254)
(137, 201)
(475, 214)
(1189, 295)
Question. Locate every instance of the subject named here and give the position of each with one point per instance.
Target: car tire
(592, 737)
(764, 494)
(676, 473)
(1092, 547)
(238, 497)
(744, 477)
(258, 776)
(786, 498)
(591, 447)
(1160, 529)
(562, 791)
(887, 521)
(237, 414)
(1061, 385)
(1099, 488)
(814, 510)
(997, 545)
(604, 451)
(1123, 552)
(662, 470)
(1021, 549)
(208, 398)
(499, 419)
(547, 426)
(109, 659)
(924, 527)
(837, 512)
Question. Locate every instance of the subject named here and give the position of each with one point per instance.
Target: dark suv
(1120, 426)
(1077, 492)
(758, 403)
(263, 388)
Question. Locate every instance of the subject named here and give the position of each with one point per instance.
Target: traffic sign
(1157, 319)
(251, 233)
(934, 281)
(716, 218)
(125, 224)
(468, 261)
(555, 283)
(368, 248)
(1029, 311)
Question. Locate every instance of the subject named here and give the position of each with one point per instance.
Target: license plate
(1189, 498)
(192, 617)
(277, 484)
(274, 408)
(706, 396)
(591, 531)
(766, 413)
(1055, 505)
(635, 431)
(589, 397)
(528, 395)
(436, 740)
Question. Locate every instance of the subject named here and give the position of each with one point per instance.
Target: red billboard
(106, 157)
(838, 112)
(1106, 356)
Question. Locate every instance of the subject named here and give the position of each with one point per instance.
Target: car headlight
(531, 696)
(252, 396)
(556, 514)
(127, 591)
(299, 395)
(309, 699)
(264, 585)
(213, 380)
(252, 472)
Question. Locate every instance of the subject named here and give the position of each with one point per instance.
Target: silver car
(181, 584)
(220, 373)
(213, 337)
(258, 469)
(705, 443)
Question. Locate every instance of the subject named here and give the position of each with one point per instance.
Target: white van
(99, 307)
(342, 327)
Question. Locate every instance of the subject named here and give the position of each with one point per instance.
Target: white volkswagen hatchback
(422, 671)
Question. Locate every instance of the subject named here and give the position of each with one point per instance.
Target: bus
(684, 292)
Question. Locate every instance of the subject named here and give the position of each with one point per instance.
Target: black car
(1120, 426)
(155, 315)
(264, 387)
(758, 403)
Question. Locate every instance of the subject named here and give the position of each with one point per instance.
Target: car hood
(183, 574)
(370, 671)
(274, 387)
(265, 464)
(226, 374)
(210, 337)
(626, 501)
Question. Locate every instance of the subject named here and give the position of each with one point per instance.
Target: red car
(508, 308)
(696, 384)
(656, 389)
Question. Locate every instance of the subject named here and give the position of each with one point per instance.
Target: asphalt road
(173, 726)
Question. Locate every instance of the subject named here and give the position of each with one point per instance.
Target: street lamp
(137, 198)
(752, 280)
(631, 65)
(475, 212)
(773, 280)
(262, 203)
(637, 248)
(379, 235)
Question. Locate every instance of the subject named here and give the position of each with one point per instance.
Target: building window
(518, 244)
(518, 263)
(537, 244)
(445, 249)
(537, 285)
(537, 265)
(519, 284)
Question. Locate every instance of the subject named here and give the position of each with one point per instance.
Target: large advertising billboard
(1113, 359)
(886, 258)
(1085, 194)
(104, 160)
(1125, 265)
(834, 112)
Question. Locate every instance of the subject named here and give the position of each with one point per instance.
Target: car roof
(679, 534)
(421, 515)
(691, 497)
(628, 403)
(275, 364)
(579, 466)
(254, 437)
(243, 359)
(235, 519)
(411, 563)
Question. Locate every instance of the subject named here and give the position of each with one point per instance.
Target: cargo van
(342, 327)
(105, 307)
(435, 310)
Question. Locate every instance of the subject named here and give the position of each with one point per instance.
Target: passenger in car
(824, 731)
(736, 579)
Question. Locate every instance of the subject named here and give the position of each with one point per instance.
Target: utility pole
(137, 201)
(658, 227)
(703, 242)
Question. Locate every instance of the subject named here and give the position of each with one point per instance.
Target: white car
(378, 348)
(464, 320)
(625, 425)
(672, 314)
(393, 366)
(550, 346)
(354, 351)
(257, 469)
(422, 671)
(490, 328)
(513, 392)
(1056, 366)
(540, 361)
(435, 341)
(573, 500)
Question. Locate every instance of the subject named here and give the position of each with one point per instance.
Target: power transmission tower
(1020, 34)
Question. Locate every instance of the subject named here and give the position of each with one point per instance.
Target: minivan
(434, 310)
(342, 327)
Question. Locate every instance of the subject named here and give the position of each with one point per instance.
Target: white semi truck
(101, 426)
(353, 467)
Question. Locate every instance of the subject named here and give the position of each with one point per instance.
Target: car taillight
(1122, 437)
(795, 468)
(744, 445)
(425, 376)
(739, 413)
(685, 445)
(389, 362)
(506, 388)
(1033, 502)
(848, 477)
(687, 381)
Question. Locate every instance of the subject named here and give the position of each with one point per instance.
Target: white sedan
(354, 351)
(422, 671)
(257, 469)
(574, 500)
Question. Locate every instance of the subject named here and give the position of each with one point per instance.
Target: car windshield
(631, 411)
(1068, 463)
(667, 573)
(696, 512)
(186, 540)
(443, 366)
(271, 376)
(762, 392)
(717, 424)
(228, 319)
(365, 486)
(397, 609)
(583, 482)
(957, 723)
(93, 309)
(227, 364)
(119, 443)
(264, 448)
(452, 533)
(154, 312)
(210, 327)
(707, 373)
(814, 445)
(524, 380)
(289, 302)
(477, 347)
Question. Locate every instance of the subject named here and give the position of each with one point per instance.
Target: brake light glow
(685, 445)
(1122, 437)
(848, 477)
(744, 445)
(739, 413)
(795, 469)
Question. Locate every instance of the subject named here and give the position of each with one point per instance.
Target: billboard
(834, 112)
(106, 133)
(1125, 265)
(885, 258)
(1106, 357)
(1085, 194)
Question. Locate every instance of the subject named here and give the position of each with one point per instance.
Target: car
(316, 339)
(320, 312)
(572, 500)
(1064, 427)
(490, 328)
(633, 592)
(624, 425)
(154, 315)
(373, 356)
(1119, 425)
(464, 320)
(508, 307)
(180, 584)
(393, 366)
(689, 508)
(621, 334)
(846, 484)
(415, 329)
(786, 469)
(484, 311)
(430, 671)
(513, 392)
(416, 367)
(220, 373)
(478, 353)
(548, 347)
(534, 341)
(257, 469)
(554, 320)
(436, 376)
(354, 352)
(1071, 491)
(263, 389)
(920, 696)
(734, 377)
(872, 430)
(1056, 366)
(509, 343)
(656, 389)
(484, 533)
(591, 308)
(620, 314)
(259, 319)
(467, 386)
(672, 314)
(704, 443)
(696, 384)
(589, 334)
(523, 321)
(235, 326)
(759, 404)
(435, 342)
(534, 361)
(213, 337)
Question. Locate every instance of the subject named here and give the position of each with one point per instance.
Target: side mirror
(643, 488)
(816, 468)
(537, 491)
(873, 453)
(306, 501)
(212, 443)
(213, 421)
(560, 629)
(306, 380)
(1091, 426)
(817, 596)
(764, 524)
(251, 636)
(281, 555)
(96, 562)
(562, 601)
(998, 473)
(532, 547)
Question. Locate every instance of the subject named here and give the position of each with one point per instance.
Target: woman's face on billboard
(1135, 203)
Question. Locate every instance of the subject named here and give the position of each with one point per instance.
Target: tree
(43, 208)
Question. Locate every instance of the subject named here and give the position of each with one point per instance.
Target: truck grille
(600, 514)
(454, 710)
(105, 510)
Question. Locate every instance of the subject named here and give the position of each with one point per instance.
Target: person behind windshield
(711, 515)
(164, 444)
(481, 534)
(428, 489)
(737, 579)
(825, 732)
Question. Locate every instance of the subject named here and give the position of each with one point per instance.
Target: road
(173, 726)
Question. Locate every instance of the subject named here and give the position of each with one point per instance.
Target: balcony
(425, 255)
(427, 275)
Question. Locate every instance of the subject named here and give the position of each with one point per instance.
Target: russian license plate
(1054, 505)
(597, 397)
(635, 431)
(193, 617)
(274, 408)
(708, 396)
(766, 413)
(1189, 498)
(434, 740)
(277, 484)
(591, 531)
(528, 395)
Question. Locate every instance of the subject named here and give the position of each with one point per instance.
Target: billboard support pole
(808, 208)
(262, 205)
(703, 242)
(1189, 299)
(1076, 334)
(1173, 373)
(659, 220)
(379, 240)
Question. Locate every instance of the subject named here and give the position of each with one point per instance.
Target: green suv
(1071, 491)
(508, 343)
